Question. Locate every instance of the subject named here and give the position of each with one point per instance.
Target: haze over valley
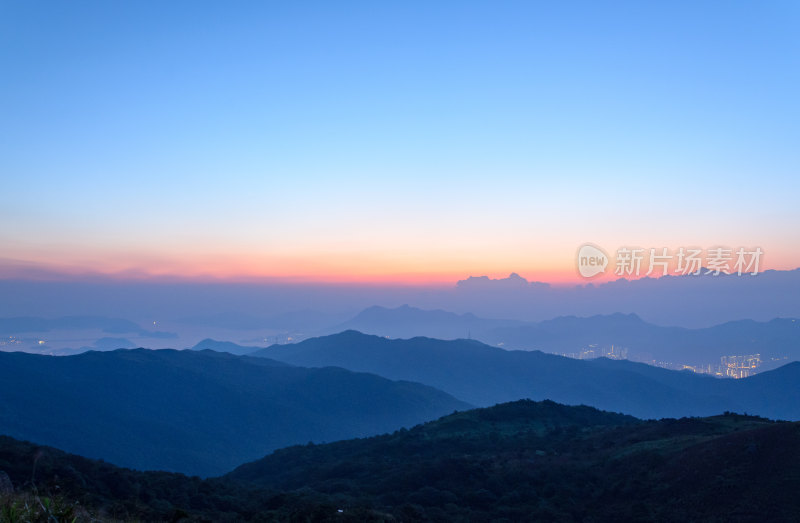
(399, 261)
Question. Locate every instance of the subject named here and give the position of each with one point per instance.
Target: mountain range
(778, 339)
(198, 412)
(483, 375)
(686, 301)
(513, 462)
(205, 412)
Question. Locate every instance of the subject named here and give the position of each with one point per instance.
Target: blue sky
(394, 140)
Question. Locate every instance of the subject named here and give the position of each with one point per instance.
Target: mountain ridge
(200, 412)
(519, 460)
(644, 341)
(484, 375)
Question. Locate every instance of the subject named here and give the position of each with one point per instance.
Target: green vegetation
(29, 507)
(517, 461)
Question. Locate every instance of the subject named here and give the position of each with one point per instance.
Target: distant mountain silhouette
(483, 375)
(225, 346)
(777, 338)
(692, 301)
(197, 412)
(672, 300)
(30, 324)
(407, 322)
(305, 320)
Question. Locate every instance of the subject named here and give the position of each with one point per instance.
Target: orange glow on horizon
(390, 269)
(303, 274)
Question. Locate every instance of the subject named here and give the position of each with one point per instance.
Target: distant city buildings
(735, 366)
(10, 341)
(613, 353)
(729, 366)
(739, 366)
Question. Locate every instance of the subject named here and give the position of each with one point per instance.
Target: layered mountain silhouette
(517, 461)
(671, 300)
(691, 301)
(483, 375)
(778, 338)
(199, 412)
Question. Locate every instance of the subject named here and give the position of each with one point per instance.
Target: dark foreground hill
(484, 375)
(197, 412)
(544, 461)
(522, 461)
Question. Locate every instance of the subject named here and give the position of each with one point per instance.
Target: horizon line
(40, 273)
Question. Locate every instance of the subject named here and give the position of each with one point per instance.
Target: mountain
(408, 322)
(199, 412)
(483, 375)
(671, 300)
(225, 346)
(292, 467)
(778, 339)
(769, 392)
(689, 301)
(40, 483)
(527, 461)
(518, 461)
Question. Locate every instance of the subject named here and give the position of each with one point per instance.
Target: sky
(392, 142)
